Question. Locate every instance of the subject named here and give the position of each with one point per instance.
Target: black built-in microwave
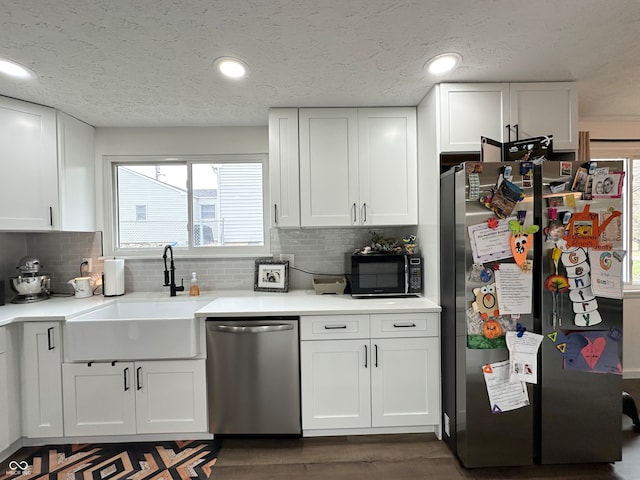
(391, 275)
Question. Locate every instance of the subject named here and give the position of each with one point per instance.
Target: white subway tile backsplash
(319, 251)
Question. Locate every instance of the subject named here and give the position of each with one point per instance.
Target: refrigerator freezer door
(477, 436)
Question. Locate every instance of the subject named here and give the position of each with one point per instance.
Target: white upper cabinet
(76, 175)
(507, 112)
(471, 111)
(284, 175)
(47, 159)
(328, 166)
(538, 109)
(29, 180)
(388, 167)
(358, 166)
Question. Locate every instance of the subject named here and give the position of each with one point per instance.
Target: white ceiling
(149, 62)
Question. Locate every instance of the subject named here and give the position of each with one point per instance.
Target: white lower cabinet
(41, 380)
(335, 384)
(370, 382)
(4, 392)
(134, 397)
(402, 382)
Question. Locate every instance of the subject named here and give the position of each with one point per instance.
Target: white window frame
(110, 163)
(629, 151)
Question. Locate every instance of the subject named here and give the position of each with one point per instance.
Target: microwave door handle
(406, 275)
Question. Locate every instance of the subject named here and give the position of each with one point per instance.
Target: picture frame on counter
(271, 276)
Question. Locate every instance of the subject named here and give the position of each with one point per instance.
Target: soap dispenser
(194, 291)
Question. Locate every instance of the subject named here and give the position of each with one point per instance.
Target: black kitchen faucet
(170, 274)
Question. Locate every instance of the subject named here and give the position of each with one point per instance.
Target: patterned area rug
(138, 461)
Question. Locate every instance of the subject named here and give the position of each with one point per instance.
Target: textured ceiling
(149, 62)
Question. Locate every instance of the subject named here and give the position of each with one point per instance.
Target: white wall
(631, 319)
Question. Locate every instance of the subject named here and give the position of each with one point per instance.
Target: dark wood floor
(400, 457)
(395, 457)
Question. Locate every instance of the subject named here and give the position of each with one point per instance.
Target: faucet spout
(170, 273)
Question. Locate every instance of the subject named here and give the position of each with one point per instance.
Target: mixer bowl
(30, 285)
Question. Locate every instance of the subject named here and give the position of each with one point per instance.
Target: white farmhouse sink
(154, 329)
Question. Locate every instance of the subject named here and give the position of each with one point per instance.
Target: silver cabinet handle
(334, 327)
(251, 329)
(50, 338)
(404, 325)
(366, 356)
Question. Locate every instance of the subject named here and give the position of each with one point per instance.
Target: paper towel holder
(113, 277)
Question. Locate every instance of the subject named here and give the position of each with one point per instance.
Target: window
(631, 212)
(208, 212)
(141, 213)
(204, 206)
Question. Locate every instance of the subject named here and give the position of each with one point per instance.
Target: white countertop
(308, 303)
(224, 304)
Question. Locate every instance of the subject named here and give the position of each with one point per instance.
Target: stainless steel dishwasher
(253, 376)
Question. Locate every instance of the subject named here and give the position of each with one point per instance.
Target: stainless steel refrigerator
(574, 411)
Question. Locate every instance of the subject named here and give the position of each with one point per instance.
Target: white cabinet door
(388, 166)
(405, 382)
(99, 398)
(42, 383)
(335, 384)
(76, 167)
(328, 167)
(284, 170)
(29, 180)
(538, 109)
(472, 110)
(171, 396)
(4, 392)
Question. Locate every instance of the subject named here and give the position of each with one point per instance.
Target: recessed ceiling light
(15, 70)
(231, 67)
(443, 63)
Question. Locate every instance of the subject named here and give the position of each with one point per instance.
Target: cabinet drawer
(331, 327)
(405, 325)
(3, 340)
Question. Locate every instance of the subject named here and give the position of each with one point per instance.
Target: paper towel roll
(113, 281)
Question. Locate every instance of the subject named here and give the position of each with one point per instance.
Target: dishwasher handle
(280, 327)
